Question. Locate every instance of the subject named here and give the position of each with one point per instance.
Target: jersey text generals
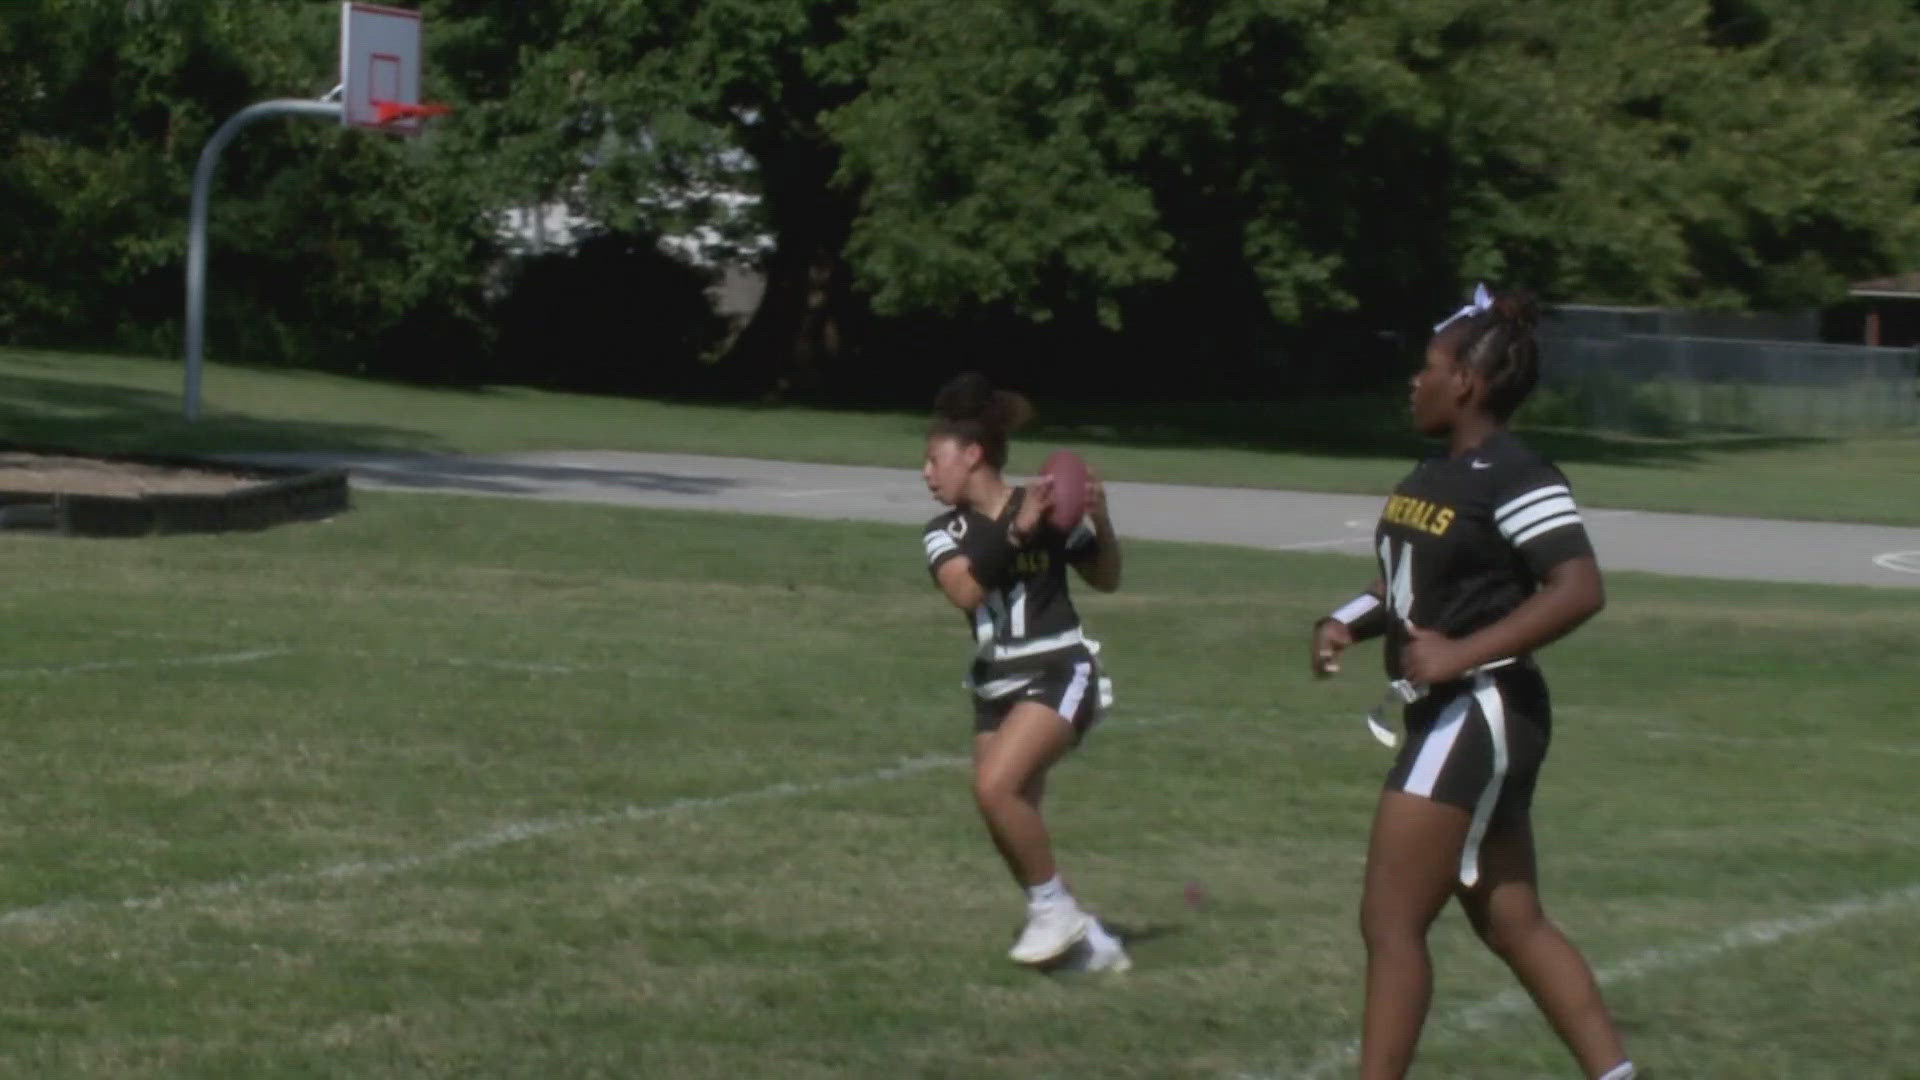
(1463, 541)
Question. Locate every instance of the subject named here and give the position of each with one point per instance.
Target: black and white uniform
(1028, 641)
(1462, 542)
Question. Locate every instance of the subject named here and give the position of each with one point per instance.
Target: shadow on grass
(454, 474)
(1074, 960)
(59, 411)
(92, 417)
(1134, 936)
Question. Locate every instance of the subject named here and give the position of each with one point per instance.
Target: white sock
(1100, 938)
(1622, 1071)
(1048, 892)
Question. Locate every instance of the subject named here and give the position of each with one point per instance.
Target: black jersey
(1027, 621)
(1464, 540)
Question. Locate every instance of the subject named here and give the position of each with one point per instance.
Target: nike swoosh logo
(1481, 464)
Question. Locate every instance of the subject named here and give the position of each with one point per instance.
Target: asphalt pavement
(1748, 549)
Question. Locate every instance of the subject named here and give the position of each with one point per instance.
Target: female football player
(1483, 561)
(1036, 683)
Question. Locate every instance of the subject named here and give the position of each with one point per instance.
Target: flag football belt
(1400, 692)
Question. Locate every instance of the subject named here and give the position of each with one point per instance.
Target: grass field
(454, 787)
(102, 404)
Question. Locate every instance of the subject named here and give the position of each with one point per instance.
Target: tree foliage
(1376, 154)
(1233, 177)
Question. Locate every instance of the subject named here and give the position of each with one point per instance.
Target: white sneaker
(1051, 929)
(1099, 951)
(1105, 953)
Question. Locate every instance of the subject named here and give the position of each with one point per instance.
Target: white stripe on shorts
(1494, 710)
(1077, 689)
(999, 688)
(1437, 746)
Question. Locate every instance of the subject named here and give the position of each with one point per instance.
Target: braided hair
(1499, 345)
(970, 410)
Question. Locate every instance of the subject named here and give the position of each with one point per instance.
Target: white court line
(815, 492)
(1322, 543)
(1905, 562)
(1510, 1003)
(209, 660)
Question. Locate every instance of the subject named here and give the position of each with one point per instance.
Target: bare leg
(1505, 911)
(1412, 861)
(1009, 779)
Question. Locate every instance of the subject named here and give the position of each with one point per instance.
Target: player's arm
(966, 568)
(1538, 518)
(955, 577)
(1098, 544)
(1570, 593)
(1363, 617)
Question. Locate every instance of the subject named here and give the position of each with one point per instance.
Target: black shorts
(1070, 688)
(1478, 744)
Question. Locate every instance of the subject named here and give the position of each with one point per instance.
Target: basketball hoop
(380, 68)
(379, 90)
(387, 112)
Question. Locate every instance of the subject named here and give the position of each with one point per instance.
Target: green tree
(1373, 156)
(329, 248)
(1687, 152)
(1228, 170)
(645, 116)
(1009, 151)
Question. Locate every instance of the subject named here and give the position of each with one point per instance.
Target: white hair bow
(1482, 301)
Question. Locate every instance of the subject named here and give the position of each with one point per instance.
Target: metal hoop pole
(197, 224)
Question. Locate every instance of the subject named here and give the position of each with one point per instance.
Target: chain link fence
(1657, 383)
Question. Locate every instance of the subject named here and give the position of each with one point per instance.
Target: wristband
(1364, 616)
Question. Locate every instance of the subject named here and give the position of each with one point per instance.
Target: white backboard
(379, 62)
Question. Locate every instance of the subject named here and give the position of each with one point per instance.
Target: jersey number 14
(1398, 574)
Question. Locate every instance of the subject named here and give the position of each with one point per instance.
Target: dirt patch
(54, 473)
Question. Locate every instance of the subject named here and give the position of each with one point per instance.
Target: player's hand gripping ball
(1069, 473)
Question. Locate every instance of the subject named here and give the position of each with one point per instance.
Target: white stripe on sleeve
(1547, 526)
(1529, 498)
(1518, 521)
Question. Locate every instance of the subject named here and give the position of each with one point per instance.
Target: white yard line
(1821, 742)
(206, 660)
(500, 836)
(1514, 1002)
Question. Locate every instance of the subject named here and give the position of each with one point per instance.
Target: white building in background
(733, 254)
(540, 230)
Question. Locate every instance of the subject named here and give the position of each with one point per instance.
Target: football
(1069, 472)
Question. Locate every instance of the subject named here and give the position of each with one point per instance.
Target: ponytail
(969, 409)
